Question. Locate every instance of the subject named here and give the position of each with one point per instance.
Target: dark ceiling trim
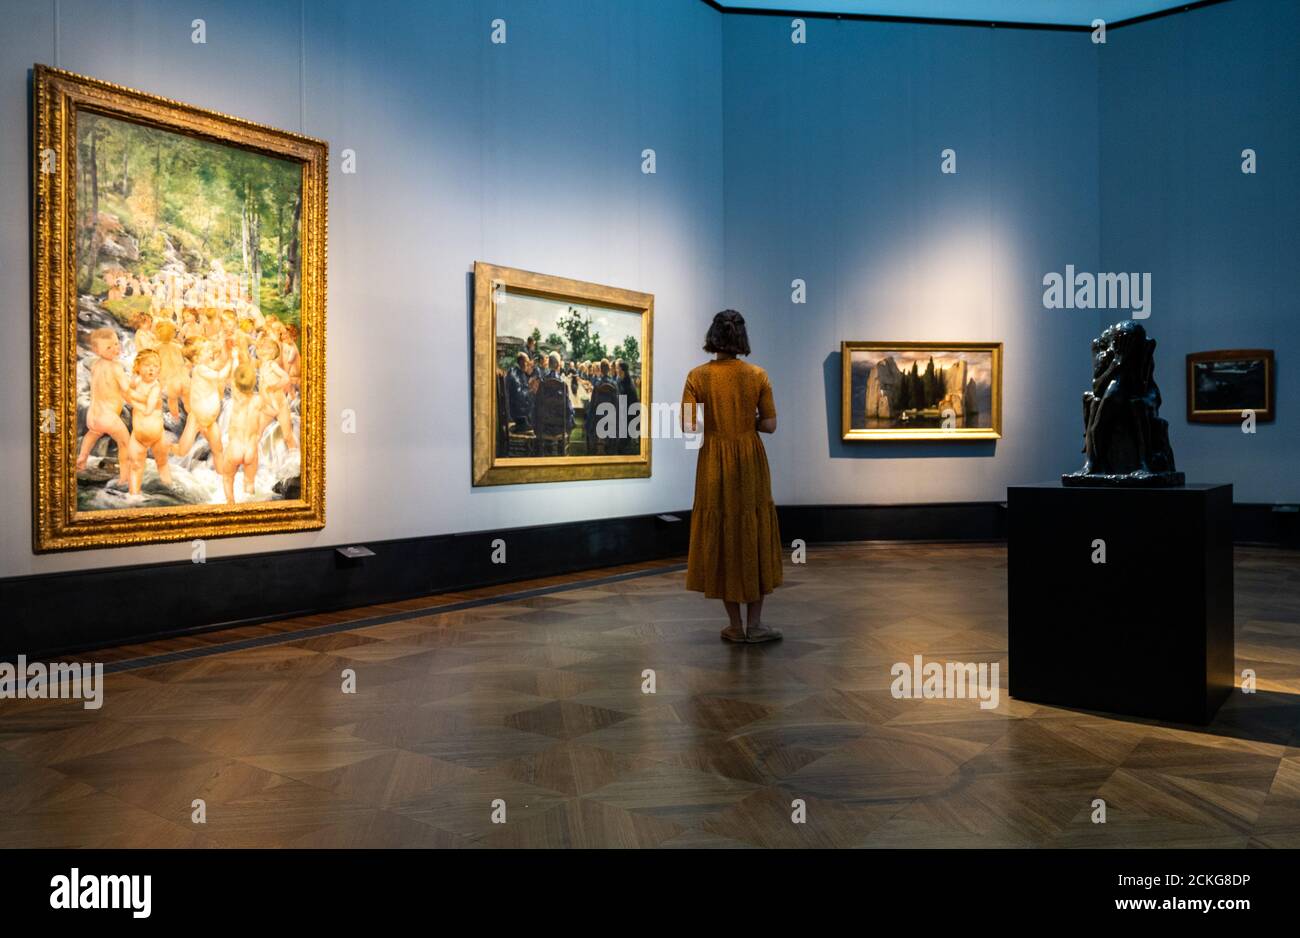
(946, 21)
(1181, 8)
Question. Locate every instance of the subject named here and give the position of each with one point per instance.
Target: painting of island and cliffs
(914, 390)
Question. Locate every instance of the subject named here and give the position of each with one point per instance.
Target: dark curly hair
(727, 334)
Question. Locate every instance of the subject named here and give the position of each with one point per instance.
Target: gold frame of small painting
(61, 100)
(492, 284)
(933, 420)
(1233, 411)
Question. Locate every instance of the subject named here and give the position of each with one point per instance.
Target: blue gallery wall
(832, 175)
(526, 154)
(1183, 96)
(775, 162)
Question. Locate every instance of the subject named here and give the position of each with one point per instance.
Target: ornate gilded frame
(849, 434)
(57, 524)
(488, 467)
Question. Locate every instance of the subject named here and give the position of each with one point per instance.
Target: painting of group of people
(207, 361)
(568, 379)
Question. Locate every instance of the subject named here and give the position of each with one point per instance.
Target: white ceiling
(1064, 12)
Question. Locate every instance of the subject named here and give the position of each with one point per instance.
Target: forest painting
(919, 390)
(187, 320)
(194, 370)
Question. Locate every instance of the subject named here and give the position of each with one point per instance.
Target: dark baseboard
(1266, 525)
(936, 521)
(1252, 523)
(56, 614)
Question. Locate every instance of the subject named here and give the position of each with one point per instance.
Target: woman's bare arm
(692, 418)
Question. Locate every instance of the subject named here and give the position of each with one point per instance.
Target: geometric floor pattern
(537, 706)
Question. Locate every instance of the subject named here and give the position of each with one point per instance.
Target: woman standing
(735, 552)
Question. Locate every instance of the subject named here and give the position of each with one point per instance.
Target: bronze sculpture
(1125, 441)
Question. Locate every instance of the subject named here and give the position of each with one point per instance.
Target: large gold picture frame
(955, 391)
(61, 100)
(494, 285)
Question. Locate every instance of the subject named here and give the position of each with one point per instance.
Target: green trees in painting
(584, 344)
(630, 351)
(148, 197)
(575, 338)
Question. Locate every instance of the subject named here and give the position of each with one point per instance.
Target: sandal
(762, 633)
(733, 634)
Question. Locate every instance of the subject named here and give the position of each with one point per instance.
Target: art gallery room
(581, 424)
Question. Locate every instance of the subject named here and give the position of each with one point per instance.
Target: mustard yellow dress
(735, 551)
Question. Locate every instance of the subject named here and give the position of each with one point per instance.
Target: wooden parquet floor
(538, 703)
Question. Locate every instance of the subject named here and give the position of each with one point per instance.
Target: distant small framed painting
(921, 390)
(1222, 385)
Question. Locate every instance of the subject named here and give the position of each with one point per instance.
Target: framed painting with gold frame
(178, 320)
(1222, 385)
(921, 390)
(562, 374)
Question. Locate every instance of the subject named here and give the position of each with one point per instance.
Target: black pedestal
(1148, 632)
